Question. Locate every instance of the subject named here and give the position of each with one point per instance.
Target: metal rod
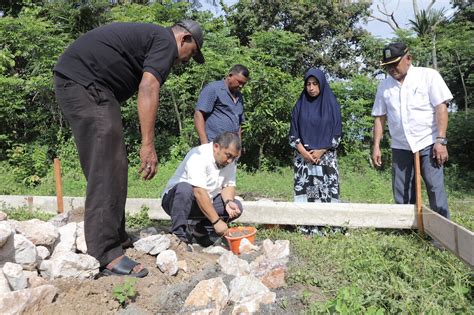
(59, 189)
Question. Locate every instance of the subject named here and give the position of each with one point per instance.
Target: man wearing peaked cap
(97, 72)
(414, 101)
(393, 53)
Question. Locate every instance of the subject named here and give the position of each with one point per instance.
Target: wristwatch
(441, 140)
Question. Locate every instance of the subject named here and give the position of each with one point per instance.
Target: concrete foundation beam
(259, 212)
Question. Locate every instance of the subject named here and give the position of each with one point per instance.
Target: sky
(403, 13)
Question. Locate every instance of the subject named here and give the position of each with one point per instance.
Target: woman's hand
(308, 157)
(317, 154)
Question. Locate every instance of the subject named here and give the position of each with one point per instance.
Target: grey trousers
(403, 179)
(180, 203)
(96, 123)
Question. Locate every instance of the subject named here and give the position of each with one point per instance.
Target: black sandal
(125, 268)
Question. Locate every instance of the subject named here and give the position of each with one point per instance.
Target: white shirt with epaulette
(410, 107)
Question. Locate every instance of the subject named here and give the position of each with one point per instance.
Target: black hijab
(316, 121)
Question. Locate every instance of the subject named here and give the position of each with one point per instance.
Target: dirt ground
(158, 293)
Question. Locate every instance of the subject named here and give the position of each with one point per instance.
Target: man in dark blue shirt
(97, 72)
(220, 107)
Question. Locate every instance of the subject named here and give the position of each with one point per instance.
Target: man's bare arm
(440, 152)
(379, 125)
(207, 208)
(148, 103)
(200, 125)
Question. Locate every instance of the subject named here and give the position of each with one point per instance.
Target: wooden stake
(59, 188)
(419, 202)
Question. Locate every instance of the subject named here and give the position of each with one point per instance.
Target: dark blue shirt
(221, 113)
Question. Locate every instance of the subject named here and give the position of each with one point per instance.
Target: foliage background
(276, 40)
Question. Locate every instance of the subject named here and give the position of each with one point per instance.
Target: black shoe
(206, 240)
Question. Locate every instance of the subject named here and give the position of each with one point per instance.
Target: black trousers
(181, 205)
(96, 122)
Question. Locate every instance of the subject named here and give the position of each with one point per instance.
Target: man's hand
(149, 162)
(232, 209)
(440, 153)
(379, 124)
(221, 228)
(377, 156)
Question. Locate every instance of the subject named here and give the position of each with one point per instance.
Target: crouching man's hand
(232, 209)
(220, 227)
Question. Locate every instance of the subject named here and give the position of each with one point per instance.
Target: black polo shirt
(115, 56)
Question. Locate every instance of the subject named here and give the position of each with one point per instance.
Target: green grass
(23, 214)
(367, 270)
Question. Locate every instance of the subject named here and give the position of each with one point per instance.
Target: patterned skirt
(316, 182)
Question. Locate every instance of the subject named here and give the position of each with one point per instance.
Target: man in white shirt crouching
(414, 101)
(203, 190)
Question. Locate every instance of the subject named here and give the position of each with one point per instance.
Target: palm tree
(425, 24)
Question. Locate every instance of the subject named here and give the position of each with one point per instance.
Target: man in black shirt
(96, 73)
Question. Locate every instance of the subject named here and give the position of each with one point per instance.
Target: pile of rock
(33, 251)
(30, 252)
(250, 285)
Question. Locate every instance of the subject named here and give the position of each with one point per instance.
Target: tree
(456, 46)
(330, 28)
(425, 25)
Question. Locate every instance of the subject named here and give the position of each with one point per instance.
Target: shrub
(29, 163)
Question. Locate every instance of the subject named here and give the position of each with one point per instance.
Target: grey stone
(244, 286)
(232, 265)
(153, 245)
(15, 276)
(208, 295)
(37, 231)
(215, 250)
(81, 245)
(280, 250)
(246, 246)
(60, 220)
(67, 239)
(251, 304)
(27, 300)
(167, 262)
(35, 281)
(6, 232)
(70, 264)
(4, 285)
(20, 250)
(43, 252)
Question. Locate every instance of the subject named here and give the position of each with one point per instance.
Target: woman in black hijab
(315, 134)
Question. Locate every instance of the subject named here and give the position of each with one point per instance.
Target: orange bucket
(236, 234)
